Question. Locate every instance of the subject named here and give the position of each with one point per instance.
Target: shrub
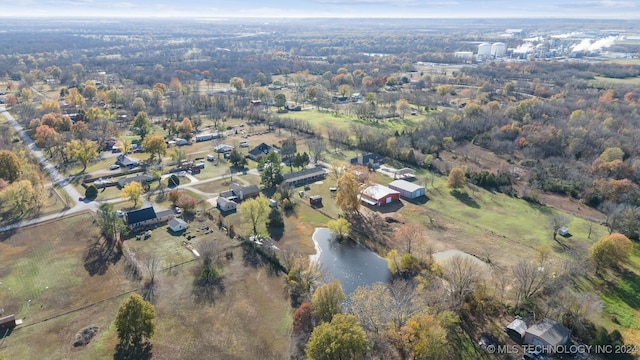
(91, 192)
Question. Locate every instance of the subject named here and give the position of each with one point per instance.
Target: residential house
(238, 192)
(305, 176)
(547, 333)
(126, 162)
(177, 225)
(226, 205)
(370, 159)
(141, 218)
(379, 195)
(407, 189)
(142, 179)
(259, 151)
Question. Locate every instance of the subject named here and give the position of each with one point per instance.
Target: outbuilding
(226, 205)
(8, 322)
(407, 189)
(315, 200)
(379, 195)
(177, 225)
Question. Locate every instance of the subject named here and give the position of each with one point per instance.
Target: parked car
(244, 144)
(120, 213)
(114, 167)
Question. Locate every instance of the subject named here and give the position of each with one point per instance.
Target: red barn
(379, 195)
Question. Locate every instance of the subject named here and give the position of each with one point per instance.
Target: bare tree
(531, 278)
(317, 146)
(152, 265)
(461, 274)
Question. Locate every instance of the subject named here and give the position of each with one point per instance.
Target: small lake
(351, 263)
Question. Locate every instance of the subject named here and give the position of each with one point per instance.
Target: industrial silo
(484, 49)
(498, 49)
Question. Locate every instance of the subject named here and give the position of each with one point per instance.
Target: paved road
(54, 174)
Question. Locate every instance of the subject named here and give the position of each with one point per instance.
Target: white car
(114, 167)
(244, 144)
(120, 213)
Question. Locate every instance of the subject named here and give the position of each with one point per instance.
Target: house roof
(246, 190)
(165, 213)
(378, 191)
(124, 160)
(304, 174)
(405, 185)
(140, 215)
(518, 326)
(224, 202)
(140, 178)
(366, 158)
(261, 149)
(550, 331)
(175, 222)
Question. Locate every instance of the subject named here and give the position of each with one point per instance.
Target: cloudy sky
(600, 9)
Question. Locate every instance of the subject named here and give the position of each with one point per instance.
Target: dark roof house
(305, 176)
(238, 192)
(140, 217)
(547, 333)
(260, 150)
(367, 159)
(125, 161)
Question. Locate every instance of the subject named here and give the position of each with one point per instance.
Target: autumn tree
(403, 107)
(10, 166)
(456, 179)
(237, 83)
(423, 337)
(186, 128)
(340, 226)
(74, 98)
(327, 300)
(135, 326)
(254, 210)
(187, 203)
(531, 277)
(611, 250)
(155, 145)
(47, 137)
(18, 197)
(303, 319)
(81, 151)
(141, 124)
(342, 338)
(347, 196)
(132, 191)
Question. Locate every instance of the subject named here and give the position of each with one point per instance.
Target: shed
(225, 204)
(407, 189)
(379, 195)
(315, 200)
(547, 333)
(177, 225)
(563, 231)
(8, 322)
(516, 330)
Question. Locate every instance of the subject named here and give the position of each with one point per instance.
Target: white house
(407, 189)
(177, 225)
(226, 205)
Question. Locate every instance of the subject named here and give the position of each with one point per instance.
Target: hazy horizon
(453, 9)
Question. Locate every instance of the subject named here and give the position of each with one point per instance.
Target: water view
(352, 264)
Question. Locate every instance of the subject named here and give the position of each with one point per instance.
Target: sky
(588, 9)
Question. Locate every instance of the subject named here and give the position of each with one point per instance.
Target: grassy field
(47, 273)
(627, 81)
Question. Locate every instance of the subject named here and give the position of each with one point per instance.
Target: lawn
(633, 81)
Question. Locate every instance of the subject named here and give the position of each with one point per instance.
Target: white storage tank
(484, 49)
(498, 49)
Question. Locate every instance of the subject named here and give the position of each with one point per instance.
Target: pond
(351, 263)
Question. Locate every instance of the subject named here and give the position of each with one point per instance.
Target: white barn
(177, 225)
(407, 189)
